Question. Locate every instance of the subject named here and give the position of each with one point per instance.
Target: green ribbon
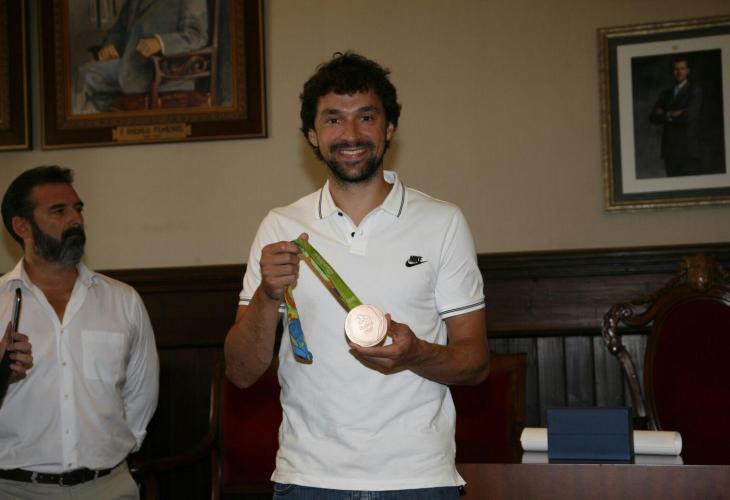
(331, 280)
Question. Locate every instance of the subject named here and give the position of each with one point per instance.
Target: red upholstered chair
(248, 436)
(241, 441)
(490, 416)
(686, 377)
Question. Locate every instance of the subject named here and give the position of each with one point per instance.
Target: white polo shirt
(346, 426)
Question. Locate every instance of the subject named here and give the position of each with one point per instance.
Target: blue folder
(590, 434)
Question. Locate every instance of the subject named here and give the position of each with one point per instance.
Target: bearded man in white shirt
(68, 426)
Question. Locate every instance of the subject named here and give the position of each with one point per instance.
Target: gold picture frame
(665, 114)
(212, 59)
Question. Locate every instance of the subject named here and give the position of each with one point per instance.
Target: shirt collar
(394, 203)
(19, 275)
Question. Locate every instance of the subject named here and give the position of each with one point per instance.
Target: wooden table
(601, 481)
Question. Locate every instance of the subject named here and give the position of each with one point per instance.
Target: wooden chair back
(686, 379)
(249, 434)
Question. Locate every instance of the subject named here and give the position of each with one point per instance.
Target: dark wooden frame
(617, 111)
(245, 118)
(15, 130)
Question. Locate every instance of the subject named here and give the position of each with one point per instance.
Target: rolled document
(645, 442)
(657, 443)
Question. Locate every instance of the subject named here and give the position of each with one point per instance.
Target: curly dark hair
(348, 73)
(17, 200)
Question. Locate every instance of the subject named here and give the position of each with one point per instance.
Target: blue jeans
(296, 492)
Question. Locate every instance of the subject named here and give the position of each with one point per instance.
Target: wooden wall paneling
(636, 345)
(567, 292)
(528, 345)
(188, 306)
(182, 417)
(532, 402)
(608, 377)
(550, 374)
(579, 375)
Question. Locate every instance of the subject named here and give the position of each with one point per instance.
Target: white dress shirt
(94, 382)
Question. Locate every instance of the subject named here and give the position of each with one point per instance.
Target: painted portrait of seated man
(122, 64)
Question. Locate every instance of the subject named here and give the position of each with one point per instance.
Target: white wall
(500, 115)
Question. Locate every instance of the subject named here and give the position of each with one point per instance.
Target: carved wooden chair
(686, 377)
(490, 416)
(193, 65)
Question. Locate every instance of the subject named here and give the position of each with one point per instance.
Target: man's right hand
(279, 267)
(107, 52)
(20, 353)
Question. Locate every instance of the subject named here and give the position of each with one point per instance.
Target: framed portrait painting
(14, 83)
(665, 113)
(144, 71)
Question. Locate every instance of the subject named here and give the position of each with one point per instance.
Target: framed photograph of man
(144, 71)
(14, 84)
(665, 113)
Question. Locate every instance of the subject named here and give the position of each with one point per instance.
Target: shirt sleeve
(459, 286)
(141, 388)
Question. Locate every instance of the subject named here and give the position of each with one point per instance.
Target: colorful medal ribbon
(331, 280)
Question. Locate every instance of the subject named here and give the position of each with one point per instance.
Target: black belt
(70, 478)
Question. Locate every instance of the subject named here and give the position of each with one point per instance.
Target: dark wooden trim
(164, 279)
(607, 481)
(596, 262)
(494, 266)
(556, 292)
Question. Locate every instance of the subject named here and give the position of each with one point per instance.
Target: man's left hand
(401, 354)
(147, 47)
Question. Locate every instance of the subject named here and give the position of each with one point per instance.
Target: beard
(364, 172)
(68, 250)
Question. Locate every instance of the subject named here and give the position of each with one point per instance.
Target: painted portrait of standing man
(678, 120)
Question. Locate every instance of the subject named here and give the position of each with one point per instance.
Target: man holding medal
(376, 419)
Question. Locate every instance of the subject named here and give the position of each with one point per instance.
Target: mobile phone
(5, 371)
(16, 311)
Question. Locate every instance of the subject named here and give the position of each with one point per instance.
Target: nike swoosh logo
(410, 263)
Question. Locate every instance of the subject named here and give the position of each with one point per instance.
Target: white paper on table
(645, 442)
